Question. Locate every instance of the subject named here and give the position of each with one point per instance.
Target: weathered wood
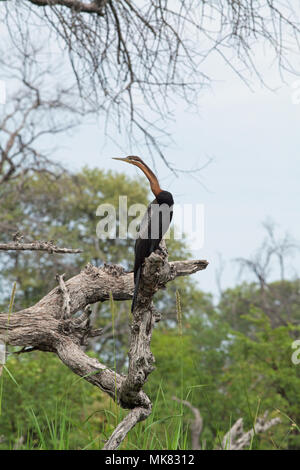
(50, 247)
(49, 325)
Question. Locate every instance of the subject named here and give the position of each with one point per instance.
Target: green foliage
(42, 402)
(262, 374)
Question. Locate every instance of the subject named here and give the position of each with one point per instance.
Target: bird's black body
(155, 223)
(153, 227)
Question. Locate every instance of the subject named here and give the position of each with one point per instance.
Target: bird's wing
(145, 225)
(143, 244)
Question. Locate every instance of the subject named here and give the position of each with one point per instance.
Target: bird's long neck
(154, 184)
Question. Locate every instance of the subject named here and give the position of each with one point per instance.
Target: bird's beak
(122, 159)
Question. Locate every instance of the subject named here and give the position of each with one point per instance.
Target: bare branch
(35, 109)
(48, 246)
(134, 416)
(75, 5)
(131, 83)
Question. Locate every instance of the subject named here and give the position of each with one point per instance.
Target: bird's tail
(136, 287)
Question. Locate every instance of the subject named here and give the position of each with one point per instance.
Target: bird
(154, 224)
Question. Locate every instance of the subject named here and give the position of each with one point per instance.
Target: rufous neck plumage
(154, 184)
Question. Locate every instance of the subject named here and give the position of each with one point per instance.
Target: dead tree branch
(45, 327)
(172, 42)
(95, 7)
(238, 439)
(196, 425)
(48, 246)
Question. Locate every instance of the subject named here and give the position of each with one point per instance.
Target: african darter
(154, 224)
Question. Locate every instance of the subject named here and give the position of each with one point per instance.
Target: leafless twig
(132, 82)
(35, 109)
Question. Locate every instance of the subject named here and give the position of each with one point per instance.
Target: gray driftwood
(238, 439)
(50, 326)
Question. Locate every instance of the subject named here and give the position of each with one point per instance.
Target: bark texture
(36, 246)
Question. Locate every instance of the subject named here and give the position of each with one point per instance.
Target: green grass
(60, 430)
(10, 309)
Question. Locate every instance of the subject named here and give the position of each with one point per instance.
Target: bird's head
(137, 161)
